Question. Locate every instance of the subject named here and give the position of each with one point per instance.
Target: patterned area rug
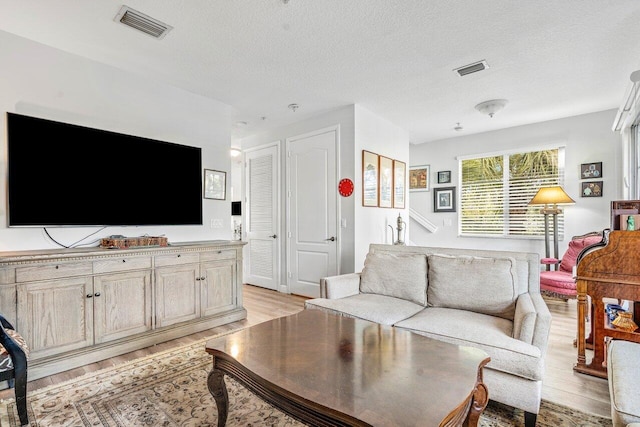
(170, 389)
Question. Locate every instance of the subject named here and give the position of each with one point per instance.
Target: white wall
(344, 118)
(360, 130)
(376, 134)
(588, 138)
(37, 80)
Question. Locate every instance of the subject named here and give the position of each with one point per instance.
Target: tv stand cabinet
(78, 306)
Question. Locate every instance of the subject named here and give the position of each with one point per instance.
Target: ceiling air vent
(142, 22)
(472, 68)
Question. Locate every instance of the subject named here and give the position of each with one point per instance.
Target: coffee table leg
(217, 388)
(480, 400)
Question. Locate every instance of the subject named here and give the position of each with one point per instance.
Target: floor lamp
(551, 197)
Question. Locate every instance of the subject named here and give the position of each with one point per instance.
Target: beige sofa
(624, 382)
(485, 299)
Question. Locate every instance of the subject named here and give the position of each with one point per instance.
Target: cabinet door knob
(89, 296)
(273, 236)
(198, 278)
(124, 260)
(203, 278)
(97, 294)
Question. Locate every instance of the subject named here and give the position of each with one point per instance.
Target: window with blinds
(496, 190)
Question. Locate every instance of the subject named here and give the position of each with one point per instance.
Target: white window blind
(496, 190)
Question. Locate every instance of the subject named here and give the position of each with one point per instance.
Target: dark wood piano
(611, 271)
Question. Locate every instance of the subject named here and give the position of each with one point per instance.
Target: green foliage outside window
(496, 191)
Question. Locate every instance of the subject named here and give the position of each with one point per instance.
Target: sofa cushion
(396, 275)
(373, 307)
(481, 285)
(489, 333)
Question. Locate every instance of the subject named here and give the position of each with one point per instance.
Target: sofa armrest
(341, 286)
(532, 321)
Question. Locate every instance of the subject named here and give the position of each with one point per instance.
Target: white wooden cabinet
(77, 306)
(217, 295)
(177, 294)
(56, 316)
(189, 287)
(121, 305)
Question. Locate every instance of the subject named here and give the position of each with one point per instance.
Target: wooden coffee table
(328, 370)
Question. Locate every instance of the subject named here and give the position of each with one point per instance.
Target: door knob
(333, 239)
(274, 236)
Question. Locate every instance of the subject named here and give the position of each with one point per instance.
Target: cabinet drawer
(121, 264)
(177, 259)
(53, 271)
(217, 255)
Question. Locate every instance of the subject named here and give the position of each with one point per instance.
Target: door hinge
(289, 274)
(288, 234)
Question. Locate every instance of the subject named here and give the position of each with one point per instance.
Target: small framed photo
(385, 187)
(215, 184)
(444, 199)
(444, 177)
(370, 165)
(399, 176)
(591, 170)
(591, 189)
(419, 178)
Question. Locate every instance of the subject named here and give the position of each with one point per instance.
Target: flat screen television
(61, 174)
(236, 208)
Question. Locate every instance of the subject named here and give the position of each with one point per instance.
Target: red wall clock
(345, 187)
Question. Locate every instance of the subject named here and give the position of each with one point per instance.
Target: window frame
(560, 146)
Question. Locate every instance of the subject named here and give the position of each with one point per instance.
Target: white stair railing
(428, 225)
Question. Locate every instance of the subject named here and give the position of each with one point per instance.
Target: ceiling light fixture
(458, 128)
(293, 107)
(235, 152)
(491, 107)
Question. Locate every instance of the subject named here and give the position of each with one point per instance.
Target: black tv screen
(236, 208)
(67, 175)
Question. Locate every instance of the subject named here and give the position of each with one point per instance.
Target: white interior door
(312, 209)
(261, 218)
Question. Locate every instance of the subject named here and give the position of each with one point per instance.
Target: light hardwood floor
(561, 384)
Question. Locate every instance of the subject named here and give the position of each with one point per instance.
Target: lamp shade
(551, 196)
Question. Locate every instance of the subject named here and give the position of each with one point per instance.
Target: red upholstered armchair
(561, 283)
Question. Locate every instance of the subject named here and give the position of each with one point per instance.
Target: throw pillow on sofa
(481, 285)
(396, 275)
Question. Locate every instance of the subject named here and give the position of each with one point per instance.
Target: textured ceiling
(549, 58)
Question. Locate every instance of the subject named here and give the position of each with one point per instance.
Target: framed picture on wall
(444, 177)
(399, 177)
(215, 184)
(369, 178)
(444, 199)
(591, 170)
(419, 178)
(386, 182)
(591, 189)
